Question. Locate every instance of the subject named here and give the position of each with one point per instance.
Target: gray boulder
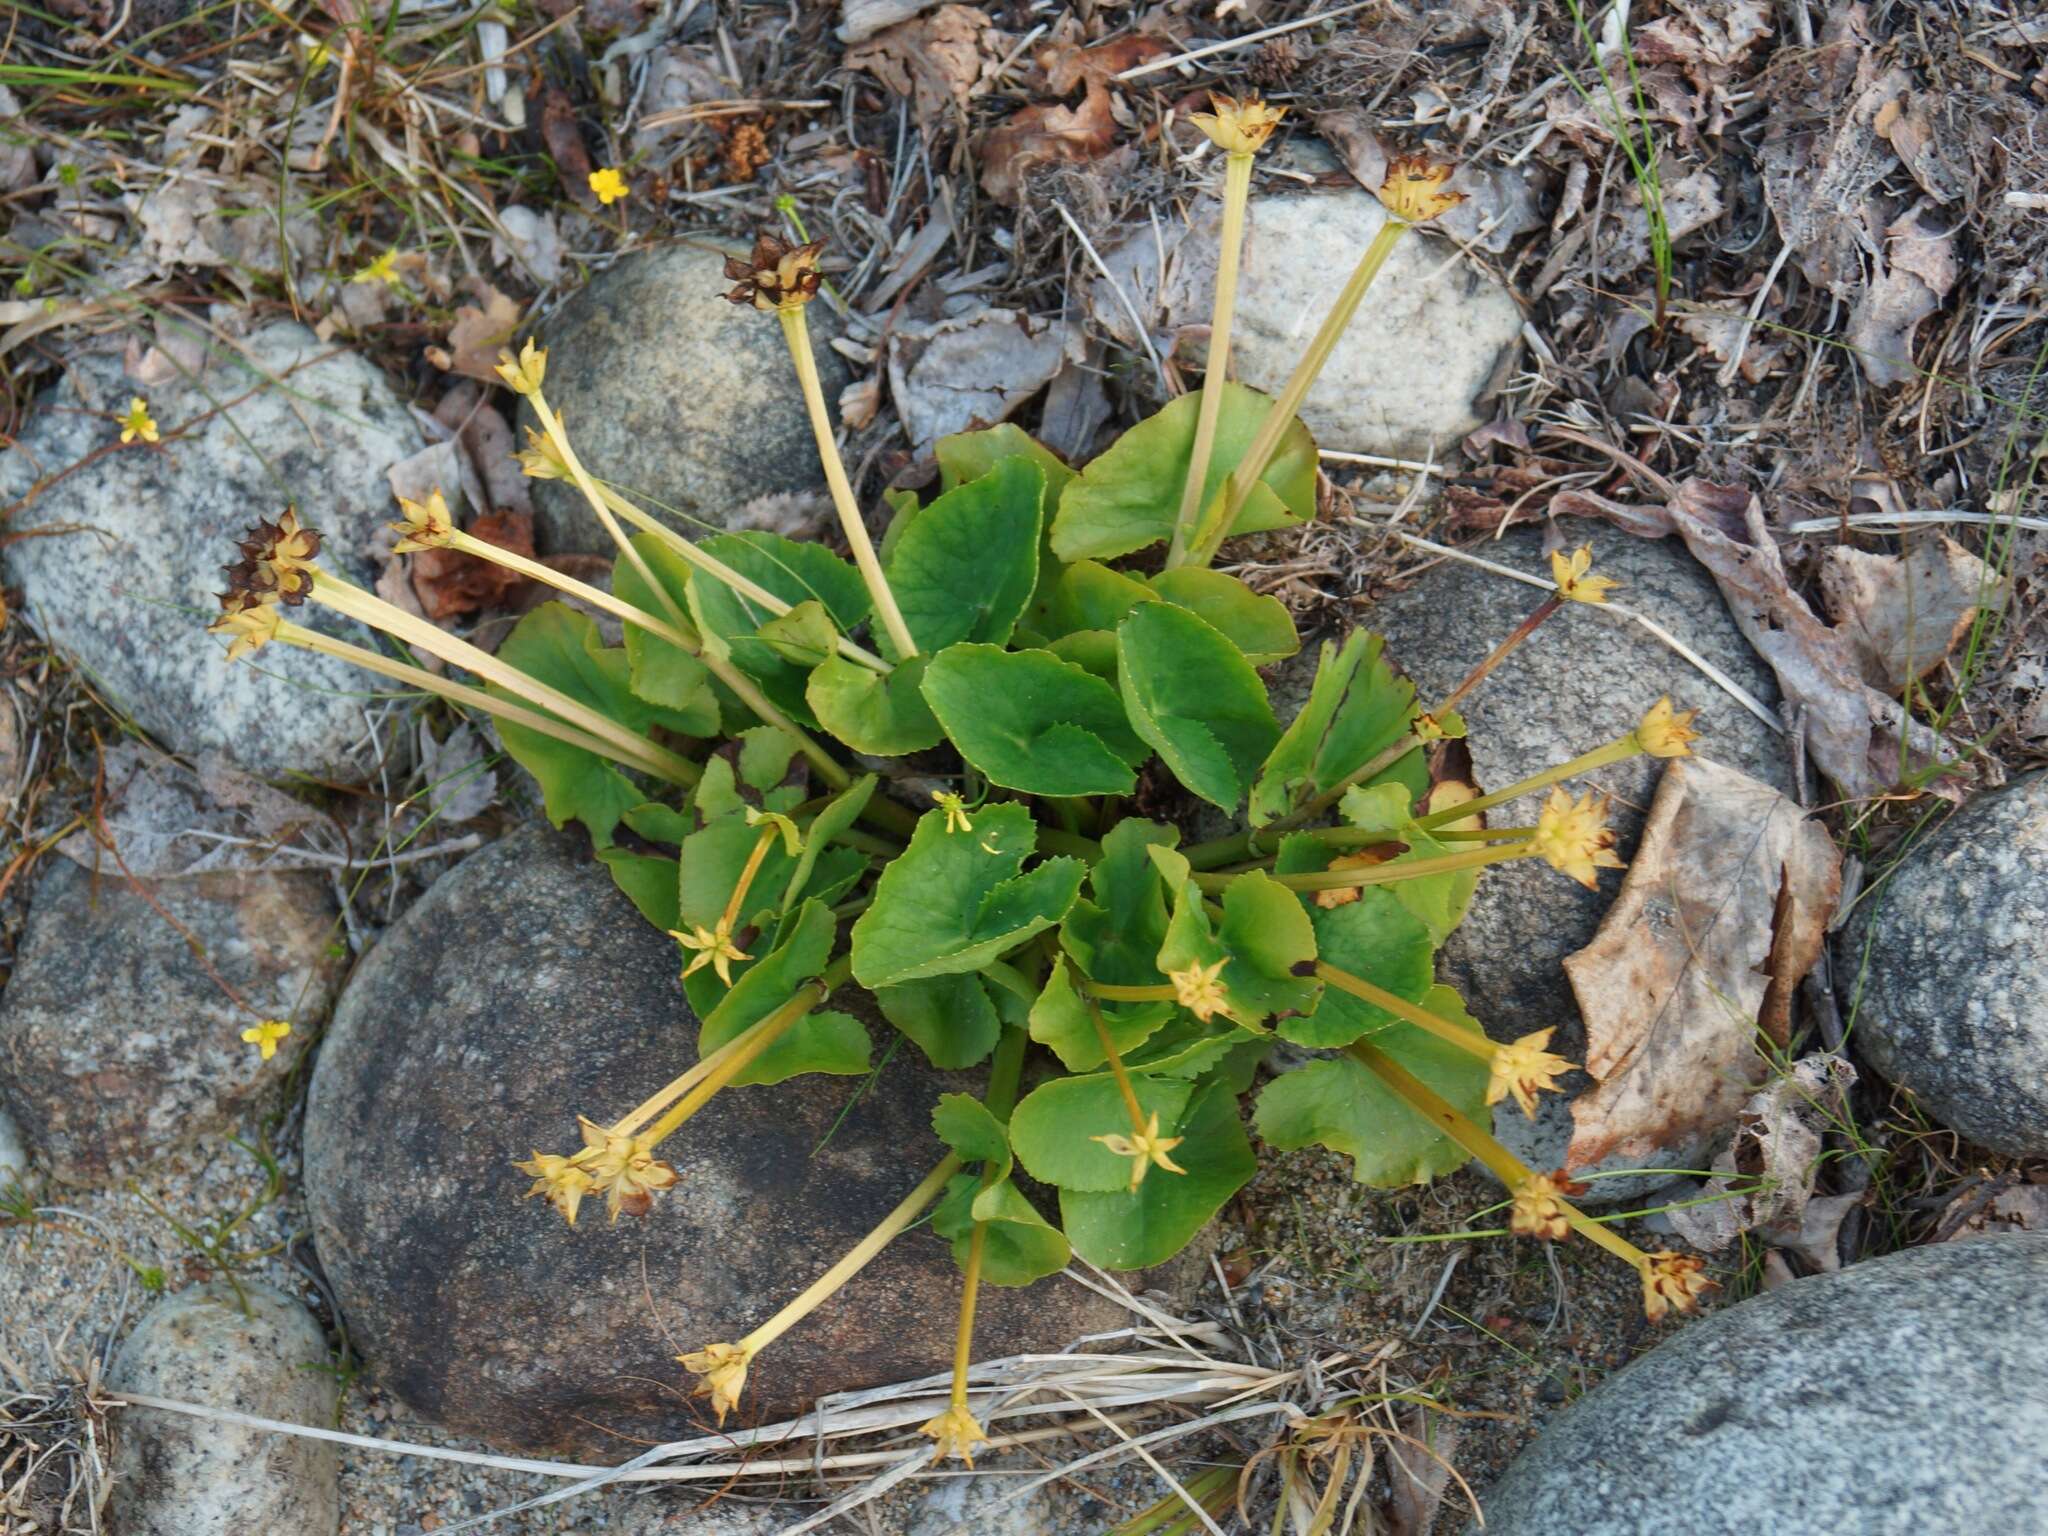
(257, 1352)
(1953, 955)
(686, 402)
(521, 990)
(129, 542)
(1901, 1397)
(117, 1046)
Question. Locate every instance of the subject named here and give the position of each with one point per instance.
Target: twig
(1249, 38)
(1144, 332)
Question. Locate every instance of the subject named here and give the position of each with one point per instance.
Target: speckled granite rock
(519, 991)
(683, 400)
(115, 1044)
(14, 1164)
(1956, 944)
(1900, 1397)
(128, 593)
(175, 1475)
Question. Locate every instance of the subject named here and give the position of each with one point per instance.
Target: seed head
(624, 1167)
(249, 625)
(722, 1373)
(1539, 1207)
(1672, 1282)
(560, 1179)
(1413, 190)
(776, 275)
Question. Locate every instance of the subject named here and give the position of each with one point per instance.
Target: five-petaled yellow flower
(1525, 1069)
(1672, 1282)
(714, 947)
(264, 1036)
(1199, 989)
(138, 422)
(1573, 837)
(1240, 127)
(1414, 189)
(427, 525)
(722, 1369)
(1539, 1207)
(523, 374)
(383, 269)
(957, 1432)
(1667, 732)
(624, 1167)
(250, 626)
(955, 808)
(560, 1179)
(608, 184)
(1146, 1149)
(1573, 584)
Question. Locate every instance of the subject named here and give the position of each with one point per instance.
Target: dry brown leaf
(450, 583)
(1669, 987)
(1416, 1478)
(486, 439)
(1051, 132)
(936, 60)
(1915, 273)
(2010, 1208)
(952, 375)
(1903, 614)
(564, 142)
(477, 335)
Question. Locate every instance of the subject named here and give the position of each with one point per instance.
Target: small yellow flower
(624, 1167)
(608, 184)
(714, 947)
(957, 1432)
(1414, 190)
(1573, 837)
(1238, 126)
(249, 626)
(1539, 1207)
(1573, 584)
(1667, 732)
(1199, 989)
(541, 460)
(264, 1036)
(523, 374)
(1525, 1069)
(560, 1179)
(381, 270)
(139, 423)
(427, 524)
(1672, 1282)
(723, 1372)
(955, 808)
(1145, 1148)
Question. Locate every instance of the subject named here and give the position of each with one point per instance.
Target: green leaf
(1440, 901)
(649, 882)
(1193, 696)
(970, 1128)
(1135, 1229)
(1032, 722)
(965, 456)
(1261, 627)
(1019, 1246)
(826, 1041)
(1089, 595)
(1092, 650)
(660, 823)
(841, 812)
(1264, 939)
(950, 1018)
(714, 857)
(767, 764)
(803, 637)
(1341, 1104)
(1053, 1130)
(662, 672)
(881, 715)
(1129, 496)
(1356, 708)
(964, 569)
(1374, 937)
(954, 900)
(1116, 933)
(794, 572)
(1188, 1048)
(1061, 1022)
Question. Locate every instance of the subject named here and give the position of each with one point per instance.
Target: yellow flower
(381, 270)
(1199, 989)
(541, 460)
(523, 374)
(1672, 1282)
(1667, 732)
(264, 1036)
(1573, 837)
(559, 1179)
(1525, 1069)
(1414, 191)
(1573, 584)
(624, 1167)
(958, 1434)
(249, 626)
(714, 947)
(1241, 127)
(1539, 1207)
(608, 184)
(1146, 1148)
(955, 808)
(138, 422)
(723, 1372)
(427, 524)
(776, 275)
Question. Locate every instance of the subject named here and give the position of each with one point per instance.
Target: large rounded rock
(119, 553)
(1953, 952)
(118, 1043)
(1898, 1398)
(521, 990)
(687, 402)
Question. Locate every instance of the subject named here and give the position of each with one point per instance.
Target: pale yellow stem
(1619, 751)
(963, 1340)
(758, 1038)
(534, 570)
(1237, 183)
(748, 1039)
(1468, 1040)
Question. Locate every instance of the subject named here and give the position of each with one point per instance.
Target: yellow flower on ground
(714, 947)
(955, 808)
(1573, 837)
(1146, 1148)
(1199, 989)
(722, 1373)
(559, 1179)
(1667, 732)
(1672, 1282)
(1239, 126)
(1414, 190)
(249, 625)
(608, 184)
(523, 374)
(139, 423)
(1525, 1069)
(383, 269)
(427, 524)
(1539, 1207)
(957, 1432)
(624, 1167)
(264, 1036)
(1574, 585)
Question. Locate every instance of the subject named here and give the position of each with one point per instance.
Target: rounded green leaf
(950, 1018)
(823, 1041)
(1257, 625)
(964, 567)
(1191, 694)
(1053, 1131)
(1135, 1229)
(883, 715)
(1032, 722)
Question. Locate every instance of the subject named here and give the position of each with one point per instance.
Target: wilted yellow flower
(1199, 989)
(427, 524)
(1414, 190)
(249, 625)
(1238, 126)
(955, 808)
(777, 275)
(1667, 732)
(1525, 1069)
(139, 423)
(560, 1179)
(958, 1434)
(624, 1167)
(714, 947)
(523, 374)
(608, 184)
(541, 459)
(722, 1373)
(1573, 584)
(1145, 1148)
(1539, 1207)
(1573, 837)
(264, 1036)
(1672, 1282)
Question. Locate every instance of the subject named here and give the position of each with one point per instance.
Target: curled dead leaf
(1051, 132)
(479, 331)
(1902, 614)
